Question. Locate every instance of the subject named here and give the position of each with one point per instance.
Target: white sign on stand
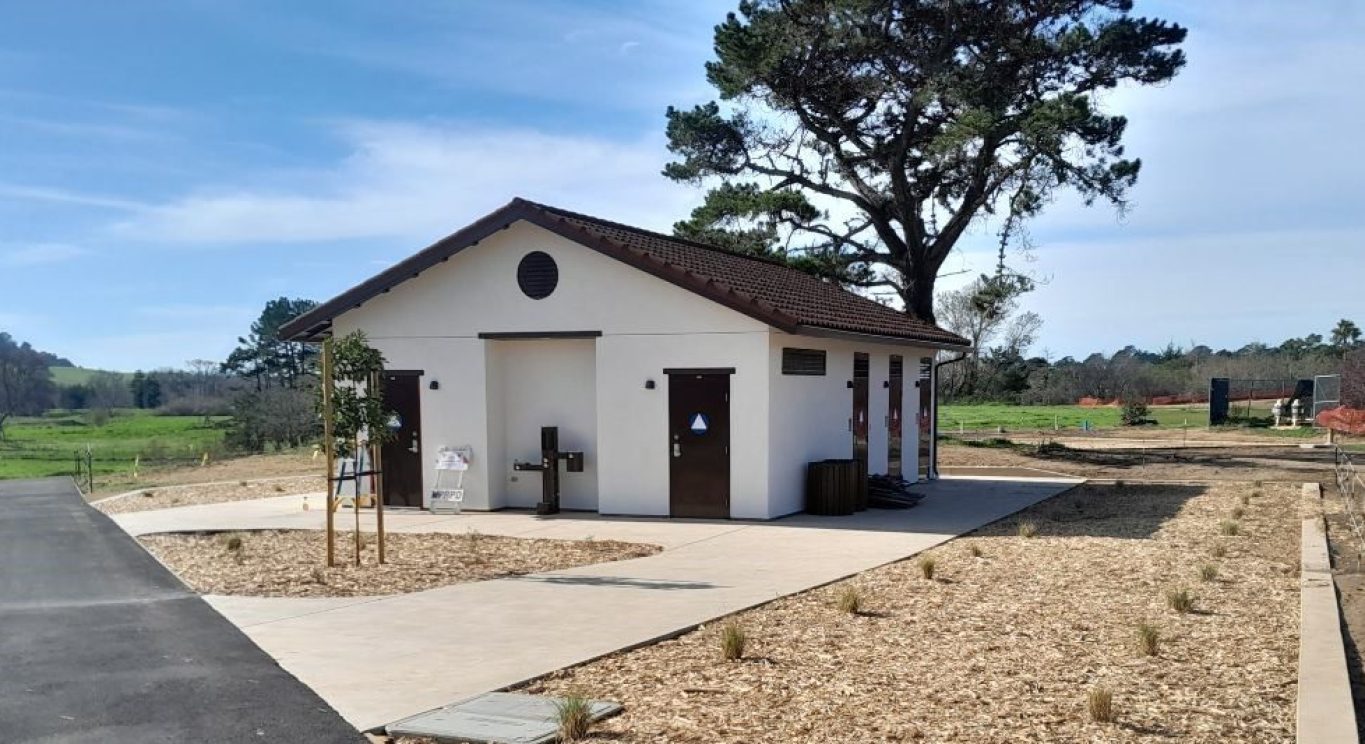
(447, 498)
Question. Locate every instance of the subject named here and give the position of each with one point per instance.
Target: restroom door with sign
(858, 423)
(699, 444)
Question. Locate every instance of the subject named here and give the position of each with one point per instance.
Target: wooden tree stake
(330, 448)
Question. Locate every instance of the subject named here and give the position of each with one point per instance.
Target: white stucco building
(695, 382)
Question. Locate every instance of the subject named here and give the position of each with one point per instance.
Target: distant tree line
(1000, 368)
(25, 382)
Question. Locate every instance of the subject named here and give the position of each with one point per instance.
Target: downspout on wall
(933, 409)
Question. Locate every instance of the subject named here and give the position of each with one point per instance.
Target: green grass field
(47, 445)
(66, 376)
(990, 416)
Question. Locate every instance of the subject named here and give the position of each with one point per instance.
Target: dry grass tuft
(975, 550)
(1101, 704)
(1028, 528)
(1148, 638)
(732, 641)
(573, 714)
(147, 494)
(1208, 572)
(1229, 528)
(1180, 600)
(1238, 512)
(926, 566)
(319, 575)
(1219, 551)
(850, 600)
(1246, 500)
(232, 542)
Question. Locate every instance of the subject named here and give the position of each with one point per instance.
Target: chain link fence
(1352, 489)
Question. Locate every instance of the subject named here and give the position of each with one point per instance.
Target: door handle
(415, 448)
(677, 450)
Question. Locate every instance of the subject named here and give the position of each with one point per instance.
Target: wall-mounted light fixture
(649, 384)
(886, 383)
(434, 385)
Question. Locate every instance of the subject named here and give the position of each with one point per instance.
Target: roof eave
(874, 338)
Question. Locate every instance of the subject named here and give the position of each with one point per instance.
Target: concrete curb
(1326, 713)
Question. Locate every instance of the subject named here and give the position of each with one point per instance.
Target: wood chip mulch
(291, 563)
(212, 493)
(1005, 647)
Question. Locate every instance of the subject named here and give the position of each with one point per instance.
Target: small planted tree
(1134, 412)
(355, 423)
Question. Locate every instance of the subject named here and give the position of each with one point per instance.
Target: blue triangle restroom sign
(699, 423)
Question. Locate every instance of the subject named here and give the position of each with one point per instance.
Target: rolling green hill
(64, 376)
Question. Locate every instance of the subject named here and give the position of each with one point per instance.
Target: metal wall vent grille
(537, 275)
(803, 362)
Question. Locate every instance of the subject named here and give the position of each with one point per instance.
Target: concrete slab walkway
(378, 659)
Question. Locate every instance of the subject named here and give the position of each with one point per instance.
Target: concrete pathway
(378, 659)
(100, 643)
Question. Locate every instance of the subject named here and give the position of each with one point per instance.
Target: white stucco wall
(809, 415)
(544, 382)
(633, 421)
(432, 323)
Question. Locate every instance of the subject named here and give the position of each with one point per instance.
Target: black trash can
(858, 474)
(830, 488)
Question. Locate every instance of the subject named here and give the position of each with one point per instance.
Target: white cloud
(41, 253)
(65, 196)
(418, 182)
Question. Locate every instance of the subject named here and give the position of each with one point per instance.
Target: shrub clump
(1101, 704)
(1180, 600)
(1148, 638)
(1230, 528)
(926, 567)
(1134, 412)
(850, 600)
(573, 714)
(732, 641)
(1028, 529)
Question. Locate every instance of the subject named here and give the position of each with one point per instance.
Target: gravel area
(1289, 463)
(213, 493)
(290, 563)
(1005, 646)
(233, 469)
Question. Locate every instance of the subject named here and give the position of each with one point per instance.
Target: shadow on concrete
(618, 581)
(949, 507)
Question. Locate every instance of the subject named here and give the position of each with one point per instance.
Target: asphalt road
(100, 643)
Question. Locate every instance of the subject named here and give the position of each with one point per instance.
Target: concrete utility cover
(495, 718)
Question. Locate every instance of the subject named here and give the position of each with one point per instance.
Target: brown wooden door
(859, 421)
(699, 444)
(926, 415)
(895, 389)
(402, 454)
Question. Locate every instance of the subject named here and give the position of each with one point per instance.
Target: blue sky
(167, 167)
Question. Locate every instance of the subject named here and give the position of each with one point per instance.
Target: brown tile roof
(781, 296)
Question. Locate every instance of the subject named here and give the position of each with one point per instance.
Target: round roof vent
(537, 275)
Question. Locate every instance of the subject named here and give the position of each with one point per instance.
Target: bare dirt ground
(1289, 463)
(1348, 568)
(290, 563)
(1005, 647)
(212, 493)
(234, 469)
